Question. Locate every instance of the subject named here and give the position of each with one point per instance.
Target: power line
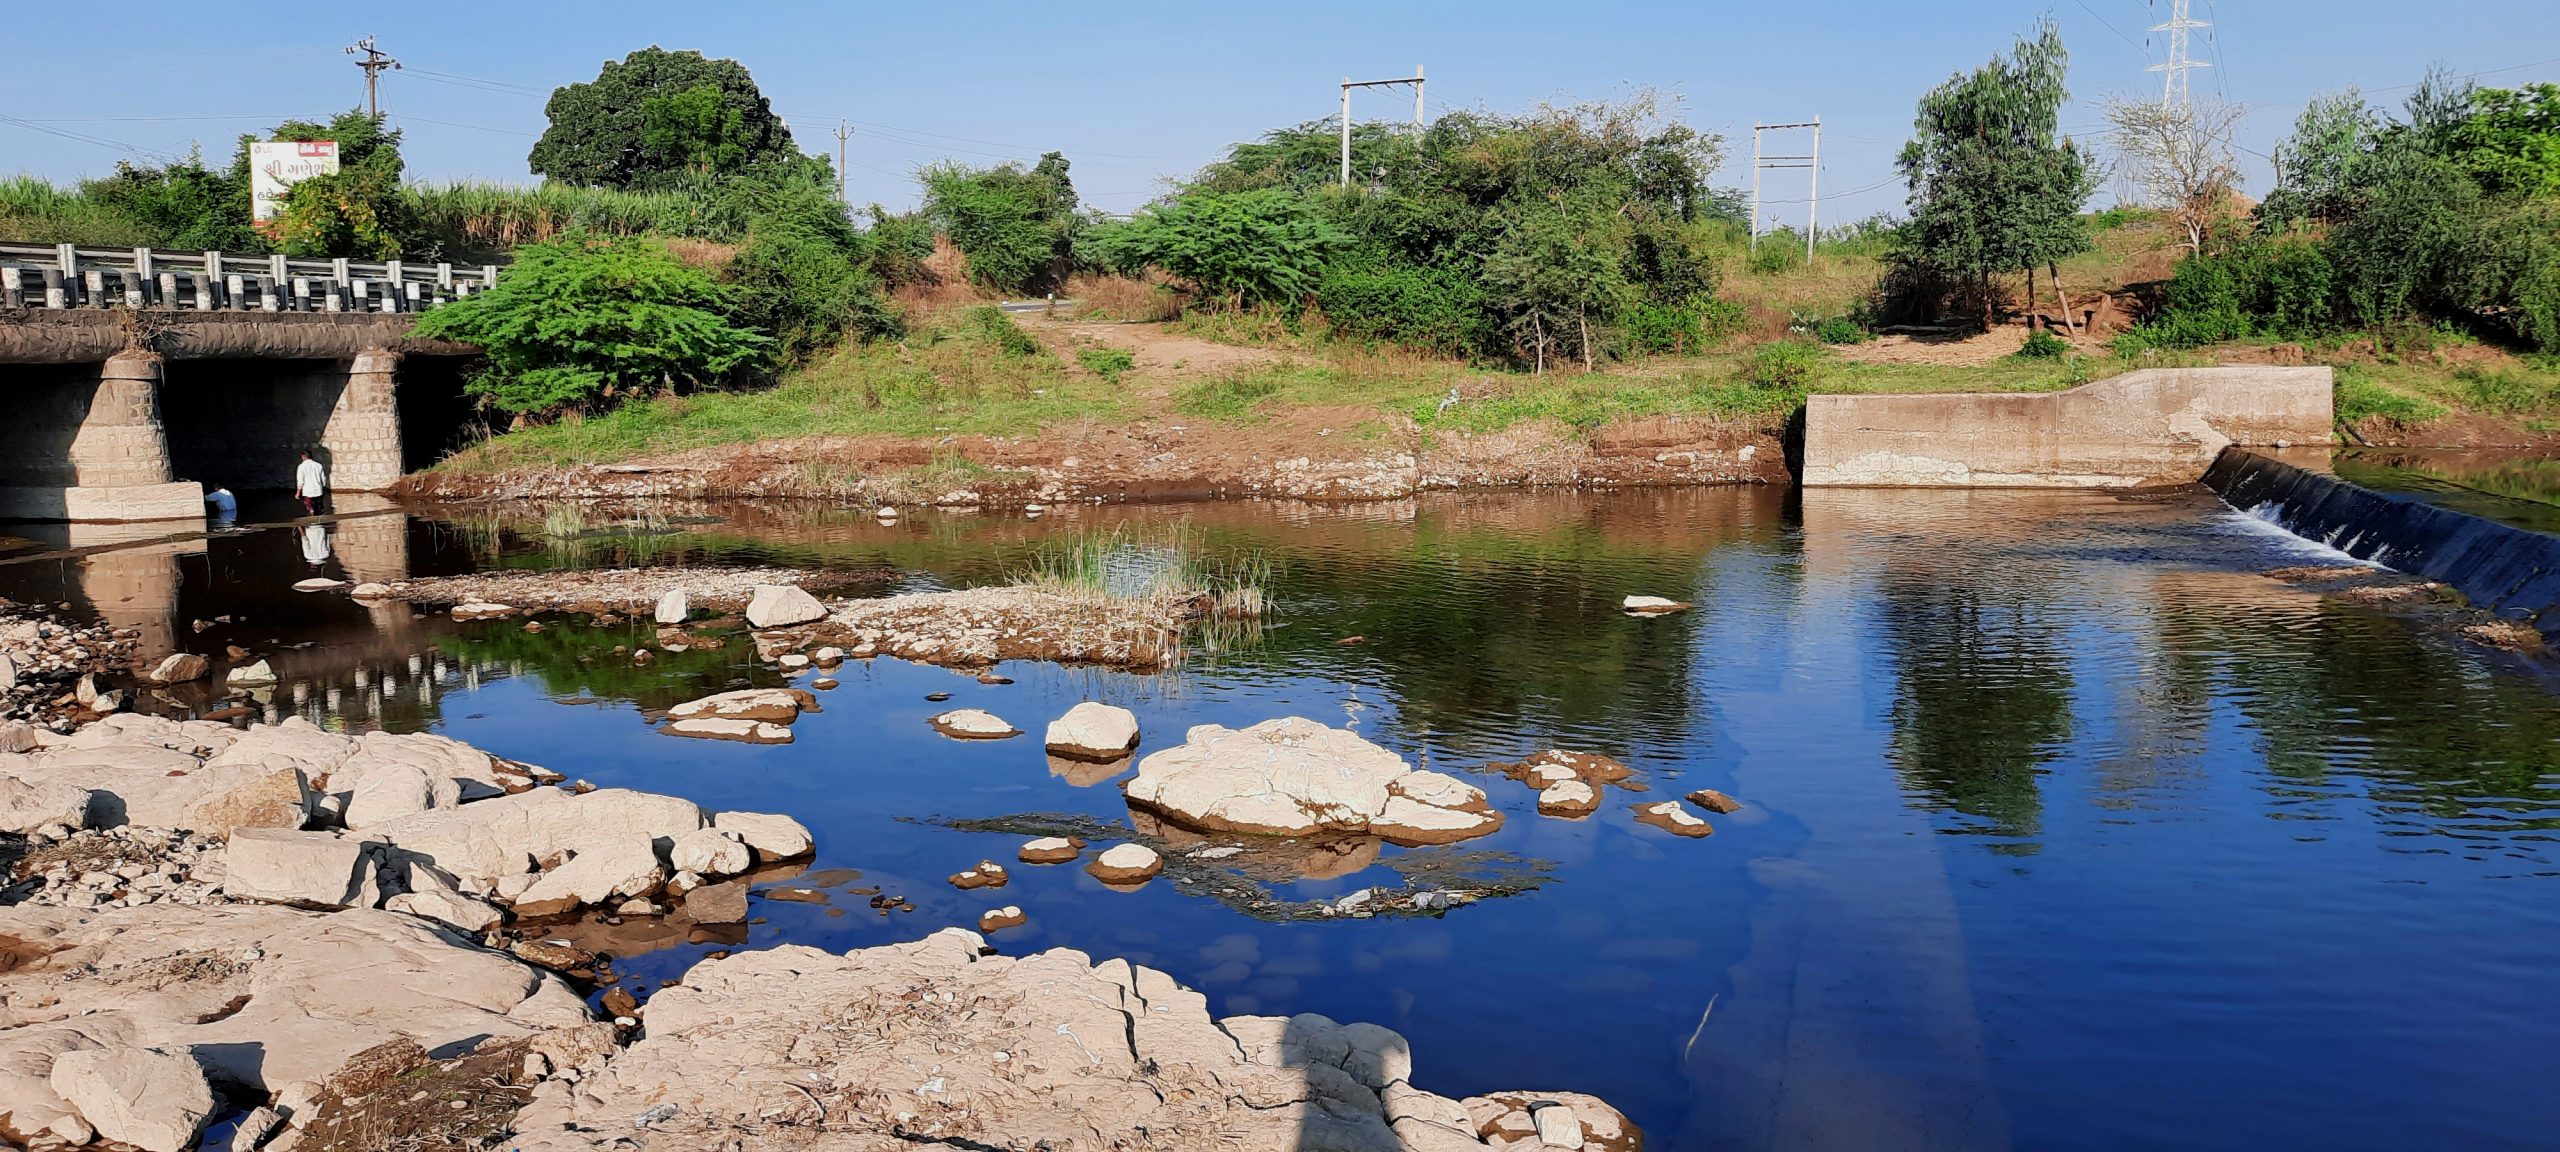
(405, 118)
(2110, 25)
(481, 82)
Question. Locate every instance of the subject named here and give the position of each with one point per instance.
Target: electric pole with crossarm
(373, 64)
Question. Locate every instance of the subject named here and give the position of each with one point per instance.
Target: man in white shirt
(310, 481)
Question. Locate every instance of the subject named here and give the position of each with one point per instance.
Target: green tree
(1266, 246)
(1994, 184)
(1017, 226)
(2509, 142)
(805, 276)
(357, 211)
(184, 206)
(584, 320)
(644, 119)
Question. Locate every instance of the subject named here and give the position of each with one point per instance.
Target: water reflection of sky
(2064, 828)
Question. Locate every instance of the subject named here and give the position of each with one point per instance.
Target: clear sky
(1137, 92)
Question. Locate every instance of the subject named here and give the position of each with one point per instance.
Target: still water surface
(2064, 828)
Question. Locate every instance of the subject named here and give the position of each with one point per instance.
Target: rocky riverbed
(52, 672)
(353, 942)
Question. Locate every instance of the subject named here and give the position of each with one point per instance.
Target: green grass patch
(2358, 395)
(1107, 363)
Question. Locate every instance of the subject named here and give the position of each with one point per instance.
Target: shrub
(586, 319)
(801, 277)
(1841, 330)
(989, 325)
(2043, 345)
(1107, 363)
(1776, 252)
(1673, 329)
(1425, 307)
(1017, 226)
(1788, 365)
(2358, 396)
(1265, 246)
(1723, 320)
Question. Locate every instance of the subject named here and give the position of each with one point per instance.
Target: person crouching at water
(310, 481)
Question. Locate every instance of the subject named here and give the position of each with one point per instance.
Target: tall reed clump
(497, 217)
(1165, 582)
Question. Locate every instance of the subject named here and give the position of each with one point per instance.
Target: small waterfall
(2510, 571)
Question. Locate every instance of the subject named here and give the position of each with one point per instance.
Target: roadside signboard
(275, 168)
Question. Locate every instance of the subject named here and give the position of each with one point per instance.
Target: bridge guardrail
(72, 276)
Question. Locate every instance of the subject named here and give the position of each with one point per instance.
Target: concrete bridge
(129, 414)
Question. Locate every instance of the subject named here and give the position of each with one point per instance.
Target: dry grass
(1125, 299)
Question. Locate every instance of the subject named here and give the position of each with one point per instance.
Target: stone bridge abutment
(108, 422)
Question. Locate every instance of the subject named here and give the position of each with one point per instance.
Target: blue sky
(1138, 92)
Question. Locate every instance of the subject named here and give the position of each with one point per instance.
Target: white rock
(481, 610)
(153, 1099)
(486, 841)
(385, 792)
(1008, 916)
(289, 866)
(780, 705)
(1651, 605)
(615, 868)
(8, 674)
(250, 675)
(1091, 731)
(828, 657)
(1126, 864)
(709, 852)
(1567, 797)
(742, 731)
(180, 668)
(462, 912)
(318, 584)
(370, 590)
(674, 606)
(25, 807)
(1669, 816)
(783, 605)
(1295, 777)
(972, 724)
(772, 837)
(1048, 850)
(1558, 1127)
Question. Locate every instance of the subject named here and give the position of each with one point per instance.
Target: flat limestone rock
(1714, 801)
(1091, 731)
(318, 584)
(251, 675)
(673, 607)
(26, 806)
(983, 874)
(289, 866)
(1048, 1050)
(1652, 606)
(601, 874)
(1008, 916)
(972, 724)
(1546, 768)
(481, 610)
(1048, 850)
(783, 605)
(1568, 798)
(780, 705)
(1295, 777)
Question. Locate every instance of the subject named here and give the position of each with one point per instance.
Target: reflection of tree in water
(573, 656)
(1982, 699)
(2436, 739)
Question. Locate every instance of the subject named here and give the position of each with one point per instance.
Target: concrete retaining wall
(2154, 426)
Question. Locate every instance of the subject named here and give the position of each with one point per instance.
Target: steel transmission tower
(2173, 84)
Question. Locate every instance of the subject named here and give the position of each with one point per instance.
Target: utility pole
(2173, 82)
(1348, 84)
(1811, 162)
(373, 64)
(844, 132)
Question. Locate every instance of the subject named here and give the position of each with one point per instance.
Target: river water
(2063, 826)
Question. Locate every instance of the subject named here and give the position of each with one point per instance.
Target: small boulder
(710, 852)
(1652, 606)
(721, 903)
(1714, 801)
(251, 675)
(771, 837)
(1008, 916)
(779, 705)
(783, 605)
(1126, 864)
(1558, 1127)
(481, 610)
(1091, 731)
(461, 912)
(181, 668)
(1669, 816)
(612, 869)
(318, 584)
(1048, 850)
(674, 606)
(151, 1098)
(25, 806)
(983, 874)
(972, 724)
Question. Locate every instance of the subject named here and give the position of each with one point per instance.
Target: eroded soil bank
(1314, 453)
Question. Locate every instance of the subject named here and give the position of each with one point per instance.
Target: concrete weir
(2154, 426)
(2510, 571)
(117, 420)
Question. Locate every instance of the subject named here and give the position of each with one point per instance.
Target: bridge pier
(115, 465)
(362, 438)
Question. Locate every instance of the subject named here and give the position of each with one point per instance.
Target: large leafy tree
(357, 210)
(656, 116)
(585, 320)
(1995, 186)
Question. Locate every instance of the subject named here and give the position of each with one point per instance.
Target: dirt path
(1164, 356)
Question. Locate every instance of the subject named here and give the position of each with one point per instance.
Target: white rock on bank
(26, 806)
(153, 1099)
(251, 675)
(783, 605)
(674, 606)
(782, 705)
(771, 837)
(1091, 731)
(605, 872)
(288, 866)
(1048, 850)
(972, 724)
(1296, 777)
(180, 668)
(452, 908)
(710, 852)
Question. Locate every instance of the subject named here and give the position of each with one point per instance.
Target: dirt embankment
(1312, 453)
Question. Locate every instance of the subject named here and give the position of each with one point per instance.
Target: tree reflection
(1982, 699)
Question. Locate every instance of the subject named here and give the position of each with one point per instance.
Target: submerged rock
(1008, 916)
(1296, 777)
(1126, 864)
(983, 874)
(1091, 731)
(1048, 850)
(1669, 816)
(742, 731)
(782, 705)
(1714, 801)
